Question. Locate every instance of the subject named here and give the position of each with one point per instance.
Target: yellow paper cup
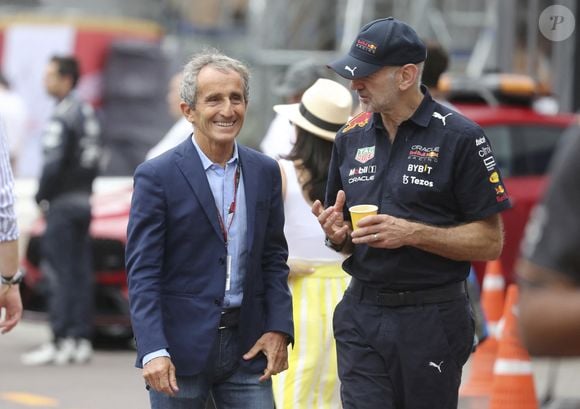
(359, 211)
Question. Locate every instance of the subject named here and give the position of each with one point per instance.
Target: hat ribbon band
(321, 123)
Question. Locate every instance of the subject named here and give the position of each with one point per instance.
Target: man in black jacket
(71, 155)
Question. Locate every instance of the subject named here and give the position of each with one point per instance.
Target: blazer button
(217, 302)
(222, 260)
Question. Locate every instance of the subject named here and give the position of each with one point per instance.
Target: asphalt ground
(110, 380)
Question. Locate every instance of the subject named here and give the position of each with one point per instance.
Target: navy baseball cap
(380, 43)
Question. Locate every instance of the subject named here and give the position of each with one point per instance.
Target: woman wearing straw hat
(317, 280)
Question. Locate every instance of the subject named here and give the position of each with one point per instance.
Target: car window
(523, 150)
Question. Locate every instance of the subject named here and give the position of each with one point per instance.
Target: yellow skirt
(312, 378)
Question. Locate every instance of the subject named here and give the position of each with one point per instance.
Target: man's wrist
(332, 245)
(14, 279)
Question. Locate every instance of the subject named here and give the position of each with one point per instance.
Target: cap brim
(292, 113)
(352, 68)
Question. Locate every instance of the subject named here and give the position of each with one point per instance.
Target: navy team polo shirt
(440, 170)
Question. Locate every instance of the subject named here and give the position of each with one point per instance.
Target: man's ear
(408, 77)
(187, 111)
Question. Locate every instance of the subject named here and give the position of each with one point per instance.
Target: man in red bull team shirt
(404, 328)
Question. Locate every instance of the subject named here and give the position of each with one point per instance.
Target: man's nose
(228, 108)
(355, 85)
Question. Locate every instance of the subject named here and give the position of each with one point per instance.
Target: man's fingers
(7, 326)
(173, 379)
(267, 375)
(340, 200)
(317, 208)
(252, 352)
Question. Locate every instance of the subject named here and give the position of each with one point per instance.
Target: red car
(523, 141)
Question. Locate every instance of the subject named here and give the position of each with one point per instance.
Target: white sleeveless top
(303, 232)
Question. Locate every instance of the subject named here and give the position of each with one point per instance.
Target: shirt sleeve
(552, 238)
(479, 187)
(8, 226)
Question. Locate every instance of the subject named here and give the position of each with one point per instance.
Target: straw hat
(325, 107)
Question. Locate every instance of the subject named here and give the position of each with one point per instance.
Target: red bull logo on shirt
(361, 120)
(424, 153)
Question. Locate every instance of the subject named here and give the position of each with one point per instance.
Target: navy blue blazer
(176, 258)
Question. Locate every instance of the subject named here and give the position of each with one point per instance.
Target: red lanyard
(232, 208)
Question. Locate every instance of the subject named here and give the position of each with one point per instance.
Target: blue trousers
(223, 380)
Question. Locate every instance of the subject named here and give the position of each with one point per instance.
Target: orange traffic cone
(483, 359)
(513, 382)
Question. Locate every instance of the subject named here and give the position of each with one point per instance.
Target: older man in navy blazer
(206, 255)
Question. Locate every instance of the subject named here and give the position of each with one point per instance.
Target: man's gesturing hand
(331, 219)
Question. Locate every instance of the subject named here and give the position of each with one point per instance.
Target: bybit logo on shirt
(419, 168)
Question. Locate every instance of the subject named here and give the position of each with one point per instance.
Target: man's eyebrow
(213, 95)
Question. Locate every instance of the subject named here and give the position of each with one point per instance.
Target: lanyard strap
(232, 208)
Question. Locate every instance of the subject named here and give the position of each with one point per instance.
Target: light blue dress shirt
(222, 183)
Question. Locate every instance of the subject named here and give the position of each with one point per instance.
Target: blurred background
(129, 49)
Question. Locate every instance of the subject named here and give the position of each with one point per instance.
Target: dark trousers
(66, 263)
(405, 357)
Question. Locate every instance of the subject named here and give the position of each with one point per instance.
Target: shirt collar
(424, 111)
(420, 117)
(206, 162)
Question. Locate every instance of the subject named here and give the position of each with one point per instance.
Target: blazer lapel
(189, 163)
(250, 173)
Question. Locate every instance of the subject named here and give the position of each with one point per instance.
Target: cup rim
(370, 208)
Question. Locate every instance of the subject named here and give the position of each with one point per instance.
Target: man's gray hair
(217, 60)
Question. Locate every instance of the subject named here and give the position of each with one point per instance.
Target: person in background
(404, 328)
(11, 277)
(206, 255)
(435, 65)
(280, 136)
(549, 269)
(181, 129)
(317, 280)
(72, 152)
(15, 115)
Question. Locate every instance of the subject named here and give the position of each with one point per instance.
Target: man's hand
(383, 231)
(275, 346)
(10, 300)
(159, 374)
(331, 219)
